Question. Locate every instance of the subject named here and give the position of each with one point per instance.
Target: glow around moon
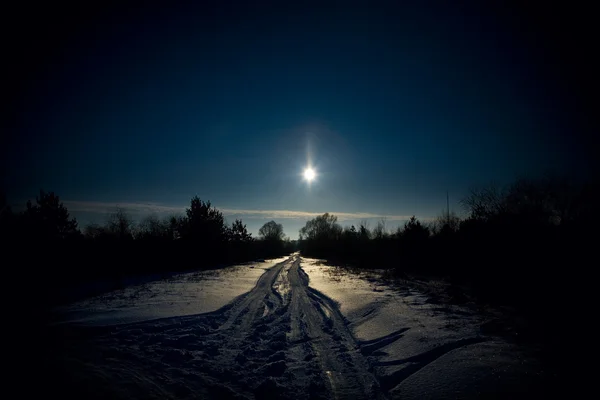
(309, 174)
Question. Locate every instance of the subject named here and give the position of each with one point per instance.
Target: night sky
(392, 105)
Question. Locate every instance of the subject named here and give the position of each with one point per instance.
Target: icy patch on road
(183, 294)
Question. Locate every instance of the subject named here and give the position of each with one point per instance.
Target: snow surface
(182, 294)
(302, 330)
(419, 349)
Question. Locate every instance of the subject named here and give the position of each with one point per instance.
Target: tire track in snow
(316, 319)
(283, 339)
(244, 313)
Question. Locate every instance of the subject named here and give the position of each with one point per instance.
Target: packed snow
(287, 328)
(182, 294)
(420, 349)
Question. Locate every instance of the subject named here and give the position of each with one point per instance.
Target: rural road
(283, 339)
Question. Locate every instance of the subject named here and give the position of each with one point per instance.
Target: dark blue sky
(393, 104)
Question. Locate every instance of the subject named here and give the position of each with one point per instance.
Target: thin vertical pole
(447, 208)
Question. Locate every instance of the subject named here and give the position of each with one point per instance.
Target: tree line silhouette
(46, 243)
(514, 245)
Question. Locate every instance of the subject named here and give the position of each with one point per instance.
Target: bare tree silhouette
(271, 231)
(120, 224)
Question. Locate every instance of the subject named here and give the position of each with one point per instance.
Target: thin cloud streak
(136, 208)
(153, 208)
(284, 214)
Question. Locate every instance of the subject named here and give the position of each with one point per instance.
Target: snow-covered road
(282, 339)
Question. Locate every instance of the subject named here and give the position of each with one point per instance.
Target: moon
(309, 174)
